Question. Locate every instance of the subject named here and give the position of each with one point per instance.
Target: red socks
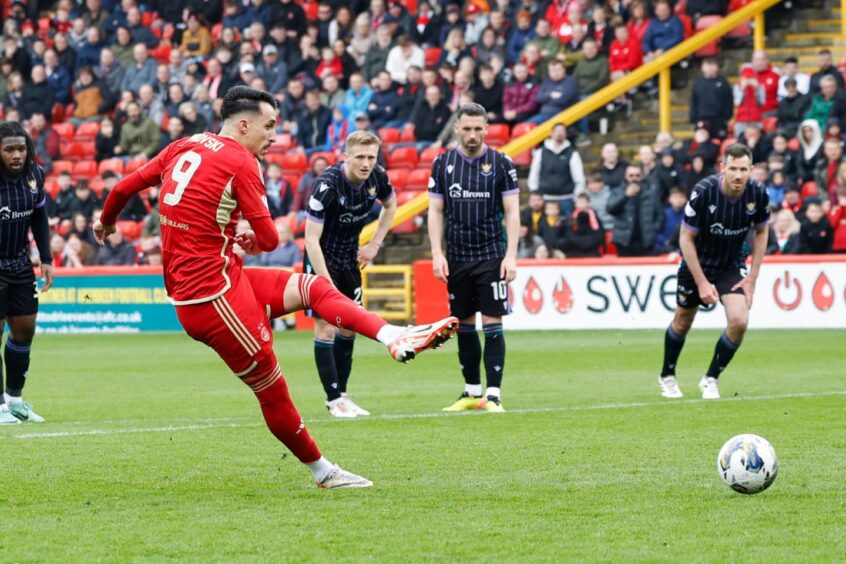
(279, 411)
(318, 294)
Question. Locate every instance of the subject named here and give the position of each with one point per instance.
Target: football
(748, 464)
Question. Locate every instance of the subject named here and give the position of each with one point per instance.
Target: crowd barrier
(637, 293)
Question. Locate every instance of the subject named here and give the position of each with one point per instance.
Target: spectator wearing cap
(272, 70)
(383, 104)
(361, 122)
(749, 99)
(403, 56)
(665, 31)
(668, 173)
(142, 71)
(791, 70)
(792, 107)
(246, 72)
(827, 68)
(557, 93)
(712, 102)
(377, 55)
(519, 101)
(823, 102)
(521, 34)
(475, 21)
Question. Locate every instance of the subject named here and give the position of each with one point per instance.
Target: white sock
(474, 390)
(320, 468)
(12, 400)
(492, 392)
(389, 333)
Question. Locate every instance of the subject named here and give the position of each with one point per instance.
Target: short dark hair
(16, 129)
(788, 60)
(240, 99)
(471, 110)
(737, 151)
(824, 52)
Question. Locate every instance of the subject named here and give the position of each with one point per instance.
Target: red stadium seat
(498, 134)
(64, 131)
(428, 156)
(51, 187)
(131, 229)
(61, 166)
(399, 179)
(84, 170)
(711, 49)
(522, 128)
(310, 9)
(403, 157)
(87, 131)
(523, 159)
(610, 247)
(680, 7)
(770, 124)
(283, 143)
(744, 29)
(407, 135)
(133, 165)
(96, 184)
(277, 158)
(687, 24)
(794, 144)
(418, 180)
(330, 157)
(389, 135)
(293, 180)
(114, 165)
(77, 151)
(294, 162)
(431, 56)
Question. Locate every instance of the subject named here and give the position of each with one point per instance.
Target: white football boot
(340, 409)
(709, 387)
(340, 478)
(669, 387)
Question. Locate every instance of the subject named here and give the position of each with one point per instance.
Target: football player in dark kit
(341, 200)
(22, 208)
(722, 210)
(472, 189)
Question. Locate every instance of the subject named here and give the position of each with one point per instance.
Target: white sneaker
(6, 418)
(340, 478)
(340, 409)
(709, 387)
(669, 387)
(354, 407)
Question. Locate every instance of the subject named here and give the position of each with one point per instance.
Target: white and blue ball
(748, 464)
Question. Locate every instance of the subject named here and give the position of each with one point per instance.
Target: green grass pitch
(153, 452)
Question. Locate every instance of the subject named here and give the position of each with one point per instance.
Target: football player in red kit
(207, 181)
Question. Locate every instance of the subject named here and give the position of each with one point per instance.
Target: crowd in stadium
(104, 85)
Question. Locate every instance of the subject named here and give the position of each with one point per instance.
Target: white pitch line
(401, 416)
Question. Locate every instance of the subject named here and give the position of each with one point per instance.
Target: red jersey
(206, 181)
(625, 56)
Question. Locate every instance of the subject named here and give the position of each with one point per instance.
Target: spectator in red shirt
(768, 77)
(625, 55)
(837, 219)
(748, 102)
(574, 18)
(638, 20)
(520, 100)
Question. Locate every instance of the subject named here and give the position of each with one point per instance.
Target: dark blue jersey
(472, 190)
(20, 196)
(343, 209)
(722, 224)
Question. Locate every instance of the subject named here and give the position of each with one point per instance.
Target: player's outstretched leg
(285, 423)
(674, 339)
(737, 315)
(16, 358)
(469, 356)
(306, 291)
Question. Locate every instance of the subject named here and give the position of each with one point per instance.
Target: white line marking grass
(222, 424)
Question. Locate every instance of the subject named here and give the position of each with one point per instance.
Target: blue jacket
(516, 43)
(672, 222)
(135, 78)
(386, 106)
(60, 81)
(568, 89)
(358, 103)
(663, 34)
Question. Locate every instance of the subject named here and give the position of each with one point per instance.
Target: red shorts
(236, 325)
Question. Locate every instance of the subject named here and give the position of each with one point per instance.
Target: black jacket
(711, 100)
(696, 8)
(815, 238)
(553, 235)
(623, 208)
(429, 122)
(581, 240)
(791, 112)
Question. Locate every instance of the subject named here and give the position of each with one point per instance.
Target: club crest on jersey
(371, 191)
(487, 169)
(265, 334)
(33, 185)
(751, 208)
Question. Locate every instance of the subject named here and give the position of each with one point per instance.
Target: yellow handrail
(613, 91)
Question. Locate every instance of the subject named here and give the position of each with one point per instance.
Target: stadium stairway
(813, 25)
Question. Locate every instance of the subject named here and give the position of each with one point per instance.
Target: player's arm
(436, 236)
(250, 193)
(386, 218)
(40, 225)
(511, 205)
(759, 249)
(707, 291)
(313, 233)
(143, 178)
